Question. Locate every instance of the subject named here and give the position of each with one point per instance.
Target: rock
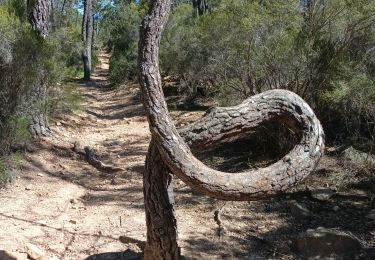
(322, 194)
(336, 208)
(40, 174)
(58, 123)
(359, 157)
(74, 201)
(359, 204)
(73, 221)
(5, 255)
(322, 242)
(29, 187)
(298, 210)
(34, 252)
(371, 215)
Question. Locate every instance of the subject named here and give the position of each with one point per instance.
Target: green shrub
(121, 32)
(68, 99)
(7, 165)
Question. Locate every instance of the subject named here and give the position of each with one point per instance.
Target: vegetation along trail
(63, 205)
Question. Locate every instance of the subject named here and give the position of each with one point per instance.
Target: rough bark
(39, 13)
(39, 125)
(200, 6)
(170, 154)
(159, 202)
(87, 35)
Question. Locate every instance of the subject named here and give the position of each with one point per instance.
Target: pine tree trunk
(39, 14)
(170, 153)
(39, 125)
(200, 6)
(159, 202)
(87, 36)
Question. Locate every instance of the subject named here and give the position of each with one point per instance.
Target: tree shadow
(266, 229)
(127, 255)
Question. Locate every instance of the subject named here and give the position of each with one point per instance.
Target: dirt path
(68, 209)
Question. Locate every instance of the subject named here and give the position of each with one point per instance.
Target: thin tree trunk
(39, 14)
(173, 156)
(87, 35)
(159, 203)
(200, 6)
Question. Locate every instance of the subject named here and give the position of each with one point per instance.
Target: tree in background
(169, 155)
(87, 37)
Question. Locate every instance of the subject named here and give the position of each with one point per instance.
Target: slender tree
(87, 36)
(39, 13)
(169, 152)
(200, 6)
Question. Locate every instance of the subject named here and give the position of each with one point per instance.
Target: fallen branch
(93, 160)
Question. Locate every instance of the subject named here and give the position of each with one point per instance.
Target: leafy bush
(24, 66)
(7, 165)
(321, 50)
(121, 33)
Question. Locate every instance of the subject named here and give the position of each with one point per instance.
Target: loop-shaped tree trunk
(169, 153)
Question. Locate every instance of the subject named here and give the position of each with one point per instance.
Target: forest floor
(67, 209)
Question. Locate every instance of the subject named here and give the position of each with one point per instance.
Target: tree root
(93, 160)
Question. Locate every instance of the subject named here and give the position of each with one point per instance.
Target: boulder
(6, 255)
(322, 242)
(322, 194)
(371, 215)
(298, 210)
(34, 252)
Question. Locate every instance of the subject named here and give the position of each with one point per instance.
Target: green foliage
(68, 99)
(19, 128)
(7, 165)
(5, 175)
(26, 61)
(120, 32)
(323, 51)
(68, 46)
(240, 48)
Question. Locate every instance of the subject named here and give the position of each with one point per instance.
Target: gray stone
(6, 255)
(34, 252)
(359, 157)
(371, 215)
(322, 194)
(322, 242)
(298, 210)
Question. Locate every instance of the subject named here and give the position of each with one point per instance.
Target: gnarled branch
(223, 124)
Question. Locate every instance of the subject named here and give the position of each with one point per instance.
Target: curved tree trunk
(159, 201)
(87, 35)
(39, 13)
(170, 154)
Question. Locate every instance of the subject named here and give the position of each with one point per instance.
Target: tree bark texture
(87, 36)
(159, 205)
(39, 13)
(38, 113)
(170, 153)
(200, 6)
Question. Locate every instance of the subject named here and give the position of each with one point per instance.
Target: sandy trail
(65, 206)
